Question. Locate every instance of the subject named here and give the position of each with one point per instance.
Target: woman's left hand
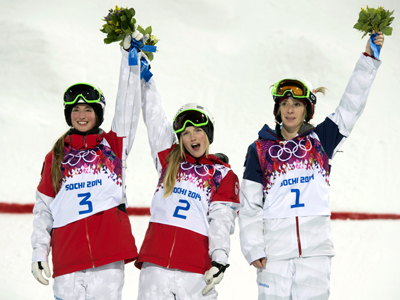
(378, 41)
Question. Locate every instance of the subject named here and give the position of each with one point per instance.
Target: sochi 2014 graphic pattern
(101, 159)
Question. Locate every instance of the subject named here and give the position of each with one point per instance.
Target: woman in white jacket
(80, 210)
(285, 219)
(186, 247)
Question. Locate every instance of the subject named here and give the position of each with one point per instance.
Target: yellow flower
(154, 38)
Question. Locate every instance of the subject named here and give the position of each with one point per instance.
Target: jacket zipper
(298, 236)
(88, 240)
(172, 249)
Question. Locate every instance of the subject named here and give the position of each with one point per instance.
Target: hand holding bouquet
(120, 22)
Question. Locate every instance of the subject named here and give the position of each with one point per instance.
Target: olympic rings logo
(74, 159)
(204, 167)
(298, 150)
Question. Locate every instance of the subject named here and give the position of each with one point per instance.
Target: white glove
(127, 42)
(214, 275)
(37, 268)
(135, 35)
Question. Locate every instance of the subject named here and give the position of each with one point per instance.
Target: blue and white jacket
(285, 186)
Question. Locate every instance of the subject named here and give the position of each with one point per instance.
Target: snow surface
(225, 55)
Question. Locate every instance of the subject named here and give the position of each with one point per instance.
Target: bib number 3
(85, 201)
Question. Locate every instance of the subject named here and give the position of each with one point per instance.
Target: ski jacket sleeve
(222, 213)
(251, 214)
(126, 115)
(43, 219)
(336, 128)
(42, 226)
(159, 128)
(127, 106)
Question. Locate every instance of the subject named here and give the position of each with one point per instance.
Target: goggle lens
(295, 90)
(195, 117)
(87, 92)
(296, 87)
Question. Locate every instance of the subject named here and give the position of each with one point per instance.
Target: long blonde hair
(174, 159)
(58, 156)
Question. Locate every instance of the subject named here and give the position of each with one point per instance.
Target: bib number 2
(184, 208)
(85, 201)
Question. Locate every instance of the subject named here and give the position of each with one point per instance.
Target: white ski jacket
(84, 211)
(285, 186)
(209, 223)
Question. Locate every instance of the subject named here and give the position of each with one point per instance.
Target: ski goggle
(294, 87)
(195, 117)
(89, 93)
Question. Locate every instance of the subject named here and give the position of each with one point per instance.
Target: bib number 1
(297, 203)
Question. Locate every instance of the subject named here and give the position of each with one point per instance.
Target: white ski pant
(295, 279)
(101, 283)
(158, 283)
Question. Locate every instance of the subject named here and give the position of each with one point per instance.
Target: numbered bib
(295, 176)
(185, 208)
(305, 194)
(92, 182)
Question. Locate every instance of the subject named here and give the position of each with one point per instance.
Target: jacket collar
(203, 160)
(87, 140)
(267, 133)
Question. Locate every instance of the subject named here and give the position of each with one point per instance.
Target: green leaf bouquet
(374, 19)
(120, 22)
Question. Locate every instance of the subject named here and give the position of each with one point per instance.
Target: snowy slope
(365, 266)
(225, 55)
(222, 54)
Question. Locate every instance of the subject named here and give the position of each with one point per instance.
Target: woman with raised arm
(186, 248)
(285, 219)
(80, 210)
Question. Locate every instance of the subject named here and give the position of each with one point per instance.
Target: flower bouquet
(377, 20)
(371, 19)
(121, 22)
